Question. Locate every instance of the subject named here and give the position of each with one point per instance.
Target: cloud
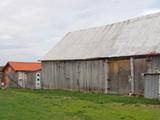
(30, 28)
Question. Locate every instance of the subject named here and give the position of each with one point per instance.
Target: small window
(38, 74)
(37, 83)
(38, 79)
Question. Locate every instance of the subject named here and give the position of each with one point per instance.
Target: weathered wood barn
(110, 59)
(22, 74)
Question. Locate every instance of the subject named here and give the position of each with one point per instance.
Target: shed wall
(152, 86)
(1, 76)
(31, 79)
(9, 77)
(27, 79)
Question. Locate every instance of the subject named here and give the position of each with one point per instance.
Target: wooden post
(132, 75)
(106, 70)
(159, 87)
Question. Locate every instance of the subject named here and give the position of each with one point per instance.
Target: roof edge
(132, 19)
(116, 57)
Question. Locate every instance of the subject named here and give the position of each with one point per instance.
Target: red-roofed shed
(22, 74)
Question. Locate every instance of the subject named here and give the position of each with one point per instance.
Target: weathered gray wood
(74, 75)
(132, 74)
(106, 72)
(140, 66)
(151, 85)
(159, 87)
(94, 75)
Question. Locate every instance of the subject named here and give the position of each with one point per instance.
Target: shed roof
(24, 66)
(138, 36)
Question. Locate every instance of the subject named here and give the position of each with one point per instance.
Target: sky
(30, 28)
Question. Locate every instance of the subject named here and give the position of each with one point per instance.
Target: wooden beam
(159, 87)
(106, 71)
(132, 75)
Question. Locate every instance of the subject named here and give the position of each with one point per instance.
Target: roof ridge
(22, 62)
(133, 19)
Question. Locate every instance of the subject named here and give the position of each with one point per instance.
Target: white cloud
(29, 28)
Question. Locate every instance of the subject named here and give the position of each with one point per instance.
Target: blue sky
(30, 28)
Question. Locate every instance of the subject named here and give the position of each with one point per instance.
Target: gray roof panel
(137, 36)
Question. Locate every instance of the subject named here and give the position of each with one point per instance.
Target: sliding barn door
(119, 77)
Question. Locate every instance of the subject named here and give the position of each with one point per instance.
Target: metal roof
(138, 36)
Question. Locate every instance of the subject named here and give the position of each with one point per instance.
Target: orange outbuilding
(21, 74)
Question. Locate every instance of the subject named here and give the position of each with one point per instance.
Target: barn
(109, 59)
(22, 74)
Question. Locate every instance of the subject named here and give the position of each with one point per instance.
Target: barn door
(119, 76)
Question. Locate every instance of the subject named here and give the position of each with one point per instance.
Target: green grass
(21, 104)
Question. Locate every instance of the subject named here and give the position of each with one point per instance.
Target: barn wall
(155, 64)
(75, 75)
(120, 75)
(140, 66)
(110, 76)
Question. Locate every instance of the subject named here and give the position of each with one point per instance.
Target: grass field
(20, 104)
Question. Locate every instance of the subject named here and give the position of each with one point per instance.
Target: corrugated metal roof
(139, 36)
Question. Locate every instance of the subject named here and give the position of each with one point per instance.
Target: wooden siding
(9, 77)
(152, 79)
(74, 75)
(24, 79)
(140, 66)
(119, 74)
(27, 79)
(155, 65)
(1, 76)
(152, 86)
(109, 76)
